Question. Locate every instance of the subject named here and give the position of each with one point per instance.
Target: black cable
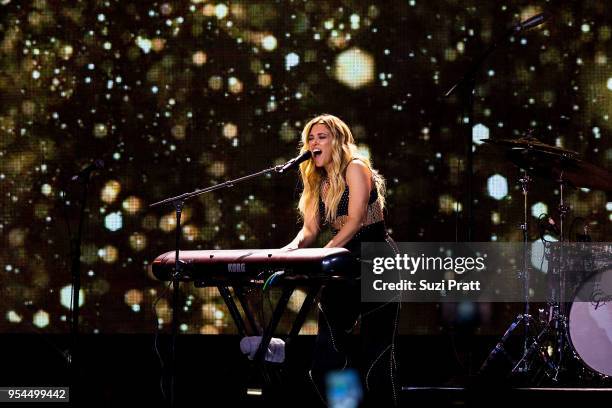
(156, 338)
(262, 311)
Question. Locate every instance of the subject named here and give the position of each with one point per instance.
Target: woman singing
(344, 192)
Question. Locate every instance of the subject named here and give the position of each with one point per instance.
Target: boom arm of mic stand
(230, 183)
(474, 67)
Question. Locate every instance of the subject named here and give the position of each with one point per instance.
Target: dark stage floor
(124, 369)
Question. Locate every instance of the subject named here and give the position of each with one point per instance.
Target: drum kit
(573, 331)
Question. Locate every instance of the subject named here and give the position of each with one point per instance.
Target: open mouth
(316, 152)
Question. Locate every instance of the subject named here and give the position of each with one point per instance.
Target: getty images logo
(236, 267)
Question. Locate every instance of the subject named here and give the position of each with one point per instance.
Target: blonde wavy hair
(343, 152)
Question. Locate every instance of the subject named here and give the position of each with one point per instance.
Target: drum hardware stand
(527, 318)
(524, 318)
(557, 322)
(563, 208)
(559, 309)
(553, 344)
(557, 325)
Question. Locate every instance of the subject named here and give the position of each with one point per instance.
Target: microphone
(295, 162)
(531, 22)
(95, 165)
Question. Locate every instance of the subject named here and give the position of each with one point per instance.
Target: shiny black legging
(340, 311)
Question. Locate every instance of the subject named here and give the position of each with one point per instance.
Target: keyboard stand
(288, 288)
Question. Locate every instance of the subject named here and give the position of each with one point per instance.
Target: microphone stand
(75, 269)
(465, 87)
(83, 177)
(178, 203)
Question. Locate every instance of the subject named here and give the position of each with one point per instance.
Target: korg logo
(236, 267)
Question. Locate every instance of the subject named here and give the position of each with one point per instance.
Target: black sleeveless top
(373, 230)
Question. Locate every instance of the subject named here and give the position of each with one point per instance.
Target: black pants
(340, 311)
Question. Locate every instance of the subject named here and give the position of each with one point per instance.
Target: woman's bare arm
(307, 235)
(359, 180)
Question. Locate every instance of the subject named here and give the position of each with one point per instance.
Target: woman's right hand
(304, 238)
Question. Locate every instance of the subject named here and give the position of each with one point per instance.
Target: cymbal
(532, 144)
(560, 165)
(589, 176)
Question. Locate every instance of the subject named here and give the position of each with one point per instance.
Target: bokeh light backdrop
(179, 95)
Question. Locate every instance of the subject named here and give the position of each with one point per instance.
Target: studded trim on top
(373, 215)
(374, 212)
